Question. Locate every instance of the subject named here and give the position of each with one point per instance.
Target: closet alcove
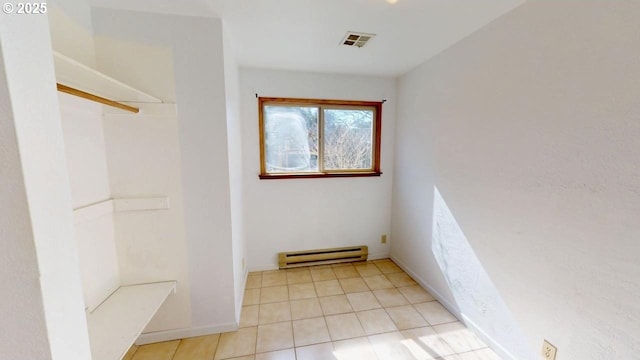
(117, 310)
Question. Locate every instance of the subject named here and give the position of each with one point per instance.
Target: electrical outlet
(548, 351)
(383, 239)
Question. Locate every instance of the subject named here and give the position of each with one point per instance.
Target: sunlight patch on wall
(476, 296)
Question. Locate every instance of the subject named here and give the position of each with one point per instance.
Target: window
(319, 138)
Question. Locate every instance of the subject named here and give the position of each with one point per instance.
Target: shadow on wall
(477, 298)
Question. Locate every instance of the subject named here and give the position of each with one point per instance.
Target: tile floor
(369, 310)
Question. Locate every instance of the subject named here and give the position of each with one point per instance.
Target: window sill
(318, 175)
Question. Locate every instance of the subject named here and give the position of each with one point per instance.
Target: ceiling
(305, 35)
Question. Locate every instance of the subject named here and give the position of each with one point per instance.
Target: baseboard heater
(322, 256)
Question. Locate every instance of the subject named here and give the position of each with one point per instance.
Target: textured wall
(477, 299)
(529, 128)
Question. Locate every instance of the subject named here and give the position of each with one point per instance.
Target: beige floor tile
(363, 301)
(322, 274)
(418, 350)
(367, 269)
(274, 312)
(158, 351)
(249, 357)
(406, 317)
(415, 294)
(391, 346)
(305, 308)
(274, 294)
(276, 278)
(237, 343)
(287, 354)
(344, 326)
(354, 349)
(345, 272)
(274, 337)
(430, 341)
(254, 281)
(387, 267)
(377, 282)
(484, 354)
(337, 304)
(251, 297)
(376, 321)
(434, 313)
(299, 277)
(249, 316)
(316, 352)
(390, 297)
(459, 337)
(302, 291)
(310, 331)
(197, 348)
(351, 285)
(328, 288)
(400, 279)
(132, 350)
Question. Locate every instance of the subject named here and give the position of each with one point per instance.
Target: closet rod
(88, 96)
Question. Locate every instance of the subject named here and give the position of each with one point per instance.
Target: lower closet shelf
(119, 320)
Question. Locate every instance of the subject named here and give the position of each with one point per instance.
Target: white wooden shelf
(96, 210)
(119, 320)
(77, 75)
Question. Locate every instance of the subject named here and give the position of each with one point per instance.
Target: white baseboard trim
(264, 268)
(168, 335)
(378, 256)
(451, 307)
(495, 346)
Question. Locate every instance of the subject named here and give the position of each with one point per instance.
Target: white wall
(42, 307)
(302, 214)
(85, 150)
(198, 70)
(87, 167)
(234, 138)
(71, 29)
(23, 334)
(529, 130)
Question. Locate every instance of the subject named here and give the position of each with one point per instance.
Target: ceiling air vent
(356, 39)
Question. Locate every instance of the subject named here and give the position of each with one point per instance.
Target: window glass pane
(291, 139)
(348, 139)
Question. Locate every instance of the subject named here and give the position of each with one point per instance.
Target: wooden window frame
(323, 103)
